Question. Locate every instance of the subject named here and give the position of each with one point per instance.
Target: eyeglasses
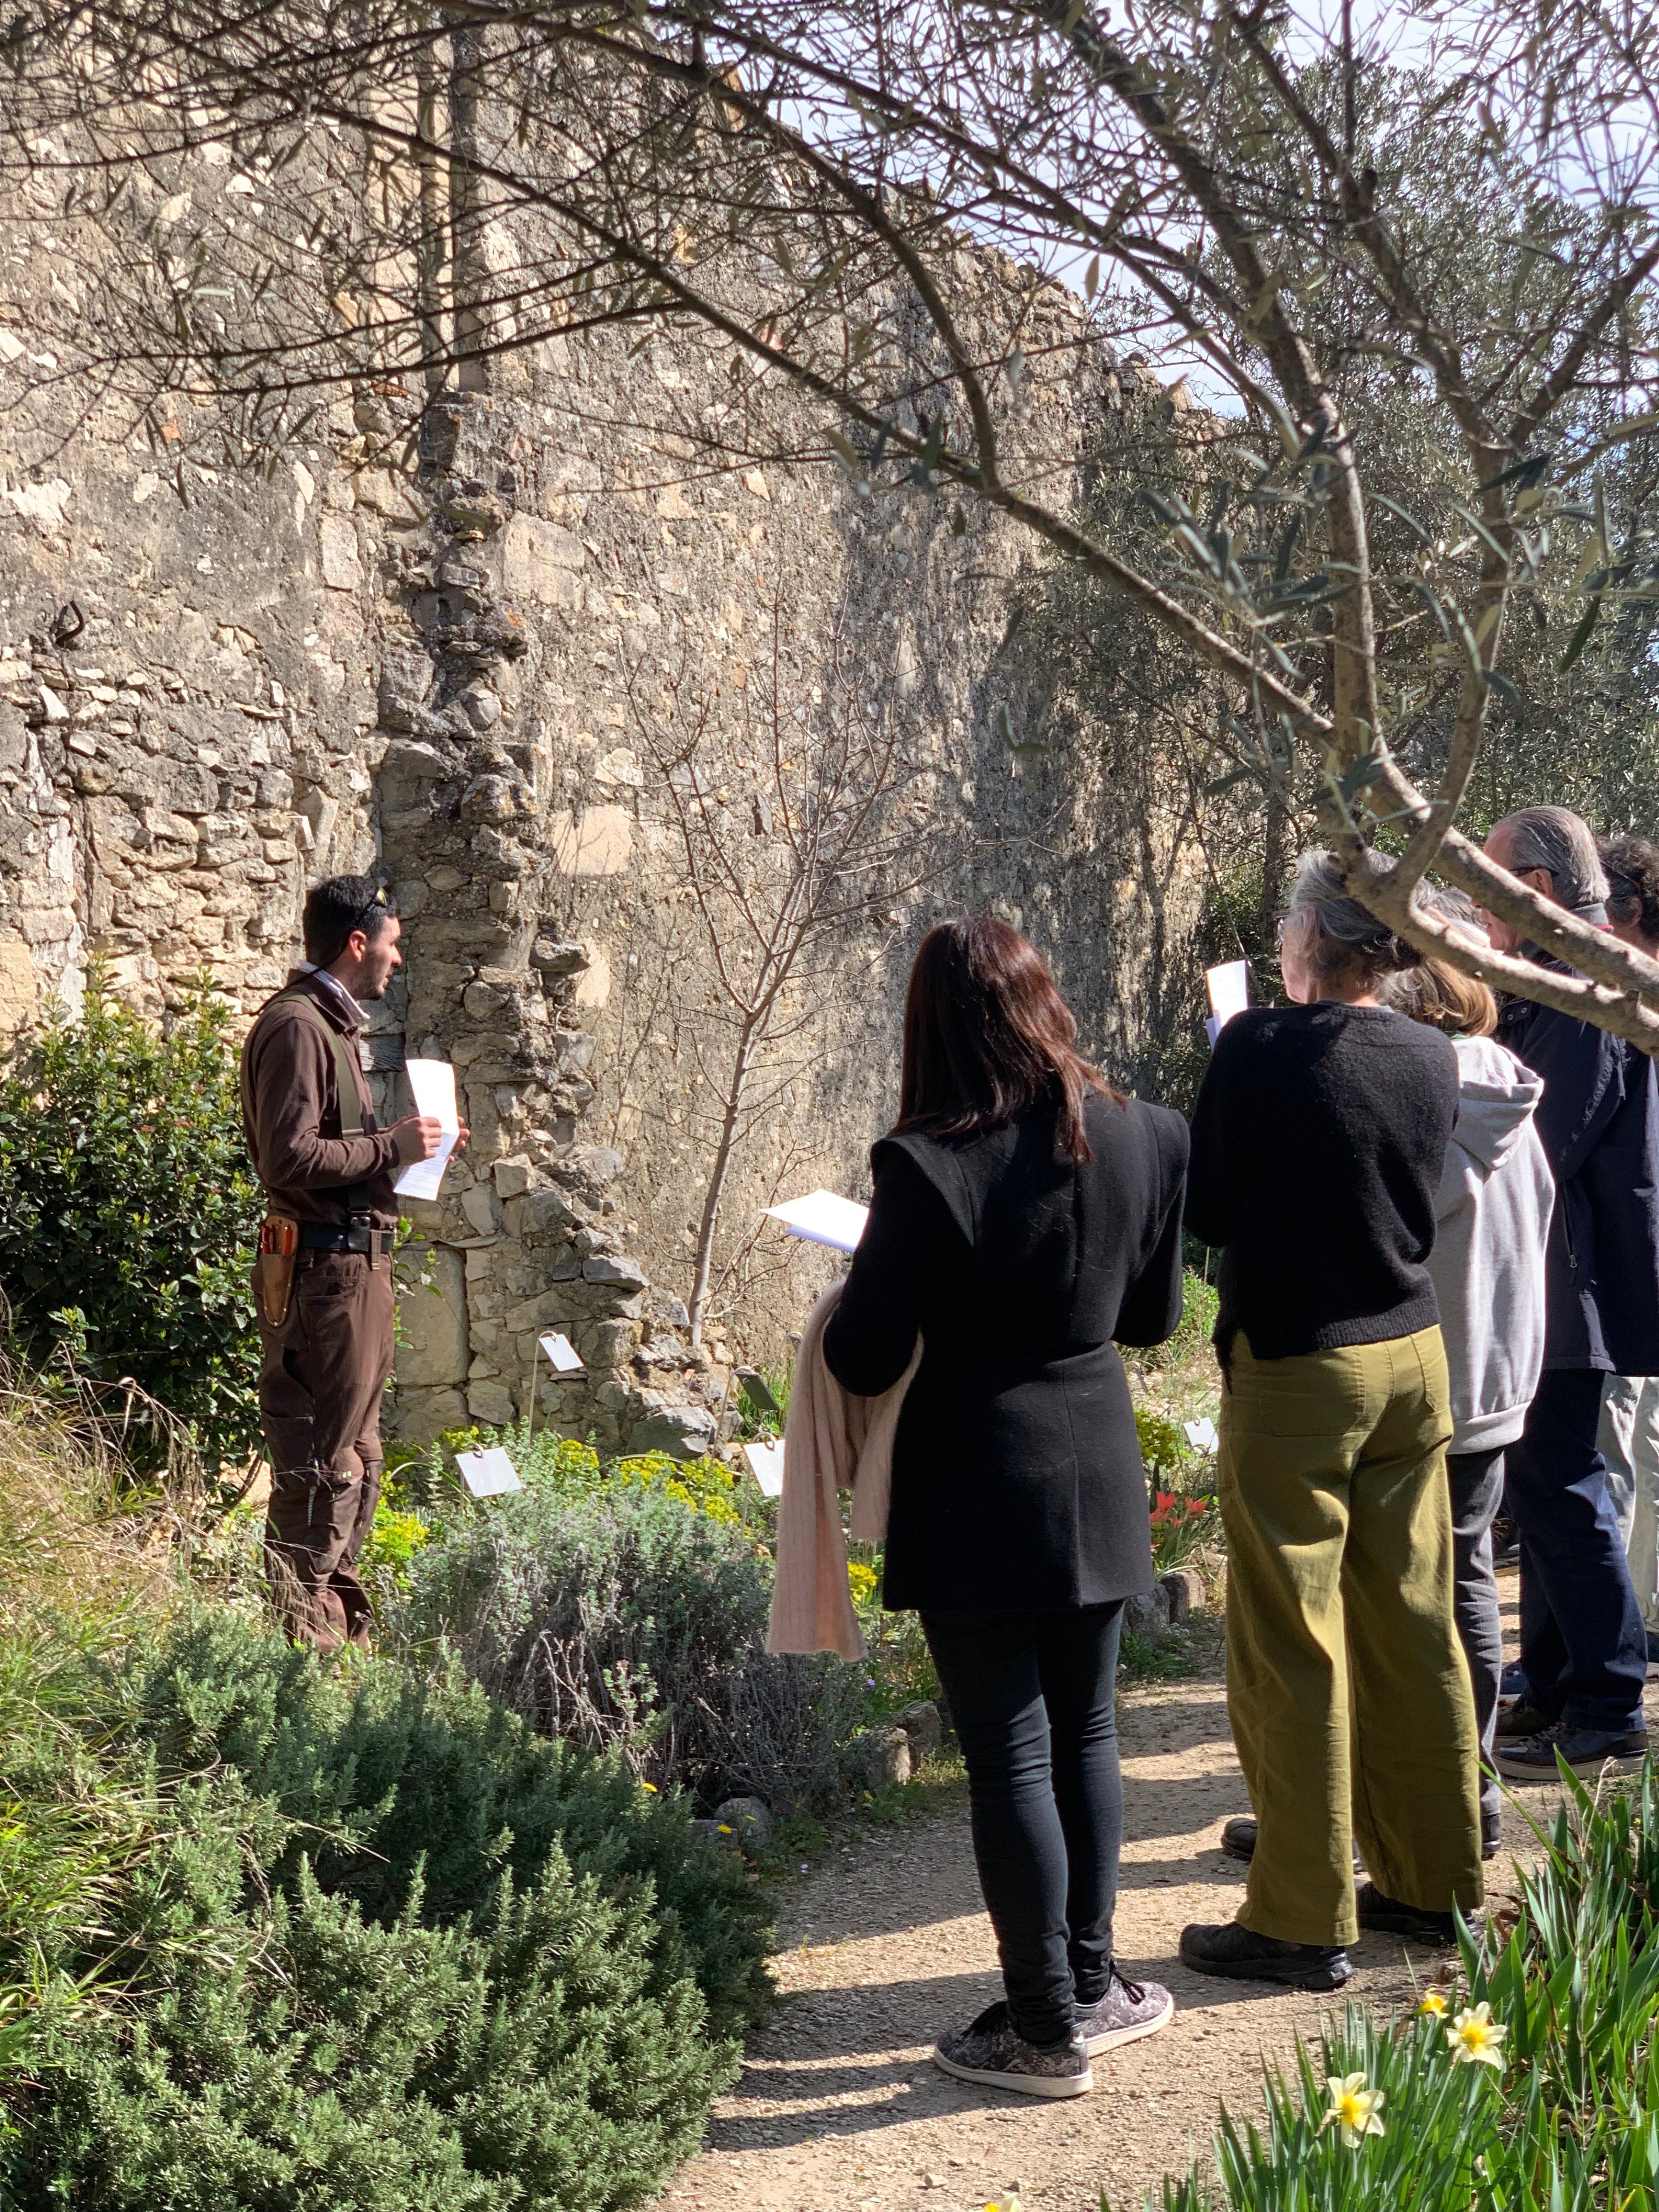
(376, 905)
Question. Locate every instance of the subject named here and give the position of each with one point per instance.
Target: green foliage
(272, 1935)
(128, 1210)
(622, 1613)
(512, 2060)
(384, 1778)
(1567, 2119)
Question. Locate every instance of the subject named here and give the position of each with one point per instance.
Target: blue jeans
(1583, 1649)
(1030, 1695)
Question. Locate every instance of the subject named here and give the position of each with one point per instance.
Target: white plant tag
(562, 1355)
(488, 1474)
(766, 1465)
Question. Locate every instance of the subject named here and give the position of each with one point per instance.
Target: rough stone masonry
(420, 644)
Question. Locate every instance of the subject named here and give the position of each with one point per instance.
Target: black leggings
(1031, 1697)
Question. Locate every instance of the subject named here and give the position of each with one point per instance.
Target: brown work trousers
(319, 1399)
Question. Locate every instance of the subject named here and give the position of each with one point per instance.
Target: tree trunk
(718, 1173)
(469, 271)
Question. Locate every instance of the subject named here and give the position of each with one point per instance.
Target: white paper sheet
(433, 1082)
(562, 1355)
(488, 1474)
(823, 1219)
(1230, 995)
(766, 1465)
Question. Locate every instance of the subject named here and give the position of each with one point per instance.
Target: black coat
(1017, 1481)
(1599, 1121)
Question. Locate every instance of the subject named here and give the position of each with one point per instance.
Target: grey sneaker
(1127, 2011)
(993, 2050)
(1588, 1753)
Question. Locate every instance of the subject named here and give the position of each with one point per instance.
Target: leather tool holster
(279, 1246)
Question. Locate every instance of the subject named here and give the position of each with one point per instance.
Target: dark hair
(987, 1035)
(1633, 867)
(336, 906)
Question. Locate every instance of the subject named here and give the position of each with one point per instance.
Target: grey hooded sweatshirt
(1492, 1221)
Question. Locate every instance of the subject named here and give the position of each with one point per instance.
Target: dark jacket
(1599, 1121)
(1017, 1481)
(1318, 1142)
(291, 1115)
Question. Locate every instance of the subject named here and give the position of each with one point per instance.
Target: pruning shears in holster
(279, 1247)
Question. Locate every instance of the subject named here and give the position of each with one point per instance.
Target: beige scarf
(832, 1440)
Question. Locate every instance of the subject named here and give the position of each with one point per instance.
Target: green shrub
(288, 1936)
(297, 2052)
(619, 1616)
(387, 1780)
(128, 1211)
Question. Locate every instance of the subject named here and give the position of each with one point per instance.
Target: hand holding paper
(823, 1219)
(433, 1082)
(1230, 995)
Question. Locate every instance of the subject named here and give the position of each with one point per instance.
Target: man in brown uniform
(326, 1328)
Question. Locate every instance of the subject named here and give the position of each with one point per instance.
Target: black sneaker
(1387, 1916)
(993, 2051)
(1238, 1841)
(1127, 2011)
(1522, 1719)
(1588, 1753)
(1236, 1954)
(1505, 1542)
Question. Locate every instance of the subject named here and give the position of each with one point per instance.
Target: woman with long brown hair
(1024, 1217)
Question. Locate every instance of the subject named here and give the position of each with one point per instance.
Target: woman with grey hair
(1318, 1143)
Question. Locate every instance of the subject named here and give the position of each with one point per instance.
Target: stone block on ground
(1183, 1589)
(750, 1821)
(1147, 1612)
(921, 1723)
(878, 1758)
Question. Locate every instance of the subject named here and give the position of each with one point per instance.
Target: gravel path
(887, 1943)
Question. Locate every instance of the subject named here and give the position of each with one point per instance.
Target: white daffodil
(1356, 2108)
(1475, 2038)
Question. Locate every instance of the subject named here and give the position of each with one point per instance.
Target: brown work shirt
(291, 1112)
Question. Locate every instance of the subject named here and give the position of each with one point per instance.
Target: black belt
(377, 1243)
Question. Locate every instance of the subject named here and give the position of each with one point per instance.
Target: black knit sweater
(1318, 1141)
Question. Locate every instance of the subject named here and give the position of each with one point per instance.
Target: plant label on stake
(766, 1465)
(562, 1356)
(488, 1474)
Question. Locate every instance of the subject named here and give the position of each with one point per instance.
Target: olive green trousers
(1346, 1686)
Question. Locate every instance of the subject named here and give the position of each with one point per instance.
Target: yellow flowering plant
(1475, 2039)
(1356, 2108)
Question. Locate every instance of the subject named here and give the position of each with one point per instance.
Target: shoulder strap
(346, 1070)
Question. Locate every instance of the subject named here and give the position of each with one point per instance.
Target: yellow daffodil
(651, 1786)
(1356, 2108)
(1434, 2004)
(1475, 2038)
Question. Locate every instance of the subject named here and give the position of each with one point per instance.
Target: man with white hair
(1583, 1647)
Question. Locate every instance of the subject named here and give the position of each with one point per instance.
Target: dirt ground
(839, 2109)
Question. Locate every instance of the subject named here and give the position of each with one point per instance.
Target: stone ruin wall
(424, 671)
